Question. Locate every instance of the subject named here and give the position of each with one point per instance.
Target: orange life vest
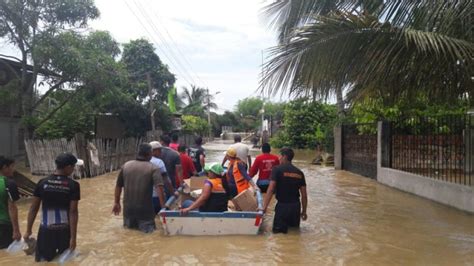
(217, 201)
(217, 186)
(240, 181)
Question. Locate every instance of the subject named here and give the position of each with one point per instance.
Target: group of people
(157, 172)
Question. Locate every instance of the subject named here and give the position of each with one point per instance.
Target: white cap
(155, 145)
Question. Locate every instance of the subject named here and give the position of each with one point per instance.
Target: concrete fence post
(338, 147)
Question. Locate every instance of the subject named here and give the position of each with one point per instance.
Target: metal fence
(359, 149)
(439, 147)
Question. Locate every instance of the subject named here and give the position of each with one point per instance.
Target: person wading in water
(137, 177)
(288, 182)
(60, 196)
(9, 228)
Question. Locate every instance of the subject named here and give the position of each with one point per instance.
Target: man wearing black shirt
(198, 154)
(59, 195)
(288, 182)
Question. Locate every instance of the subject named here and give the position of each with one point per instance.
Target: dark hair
(144, 150)
(266, 148)
(166, 139)
(198, 140)
(65, 159)
(182, 148)
(288, 152)
(175, 137)
(5, 161)
(237, 138)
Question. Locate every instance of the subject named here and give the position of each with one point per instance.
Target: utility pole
(152, 109)
(209, 113)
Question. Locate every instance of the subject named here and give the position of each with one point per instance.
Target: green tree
(307, 124)
(26, 24)
(195, 125)
(371, 48)
(197, 101)
(140, 59)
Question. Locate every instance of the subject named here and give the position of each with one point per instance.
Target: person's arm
(206, 193)
(223, 160)
(32, 216)
(193, 168)
(179, 175)
(160, 191)
(255, 166)
(13, 211)
(158, 181)
(249, 158)
(73, 219)
(118, 192)
(13, 195)
(268, 196)
(202, 159)
(304, 202)
(243, 171)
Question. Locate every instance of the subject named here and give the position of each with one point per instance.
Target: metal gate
(359, 149)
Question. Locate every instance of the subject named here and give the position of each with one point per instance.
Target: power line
(157, 15)
(154, 40)
(161, 38)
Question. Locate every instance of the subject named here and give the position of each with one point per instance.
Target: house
(11, 131)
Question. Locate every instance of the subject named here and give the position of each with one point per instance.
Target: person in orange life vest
(214, 195)
(264, 164)
(237, 176)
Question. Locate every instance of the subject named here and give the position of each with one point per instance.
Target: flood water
(352, 220)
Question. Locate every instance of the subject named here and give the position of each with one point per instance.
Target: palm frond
(454, 18)
(346, 50)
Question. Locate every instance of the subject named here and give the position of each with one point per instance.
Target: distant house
(11, 132)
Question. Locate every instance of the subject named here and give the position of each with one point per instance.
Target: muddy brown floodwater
(352, 220)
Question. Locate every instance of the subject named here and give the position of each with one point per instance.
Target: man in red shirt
(186, 163)
(264, 164)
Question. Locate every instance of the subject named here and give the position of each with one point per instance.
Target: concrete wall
(338, 147)
(9, 137)
(454, 195)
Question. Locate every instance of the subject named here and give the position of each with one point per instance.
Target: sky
(211, 43)
(216, 44)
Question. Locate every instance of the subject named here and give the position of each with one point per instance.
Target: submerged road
(352, 220)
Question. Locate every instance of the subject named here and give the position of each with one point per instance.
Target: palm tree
(371, 48)
(197, 100)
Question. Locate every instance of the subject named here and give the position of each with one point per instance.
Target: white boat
(211, 223)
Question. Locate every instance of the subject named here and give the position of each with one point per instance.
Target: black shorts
(286, 215)
(6, 232)
(263, 188)
(52, 242)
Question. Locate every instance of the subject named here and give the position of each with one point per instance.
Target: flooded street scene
(352, 221)
(210, 132)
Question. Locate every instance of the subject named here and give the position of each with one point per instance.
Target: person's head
(198, 140)
(144, 152)
(65, 163)
(287, 155)
(182, 148)
(165, 140)
(7, 166)
(231, 154)
(155, 148)
(237, 138)
(214, 170)
(266, 148)
(175, 138)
